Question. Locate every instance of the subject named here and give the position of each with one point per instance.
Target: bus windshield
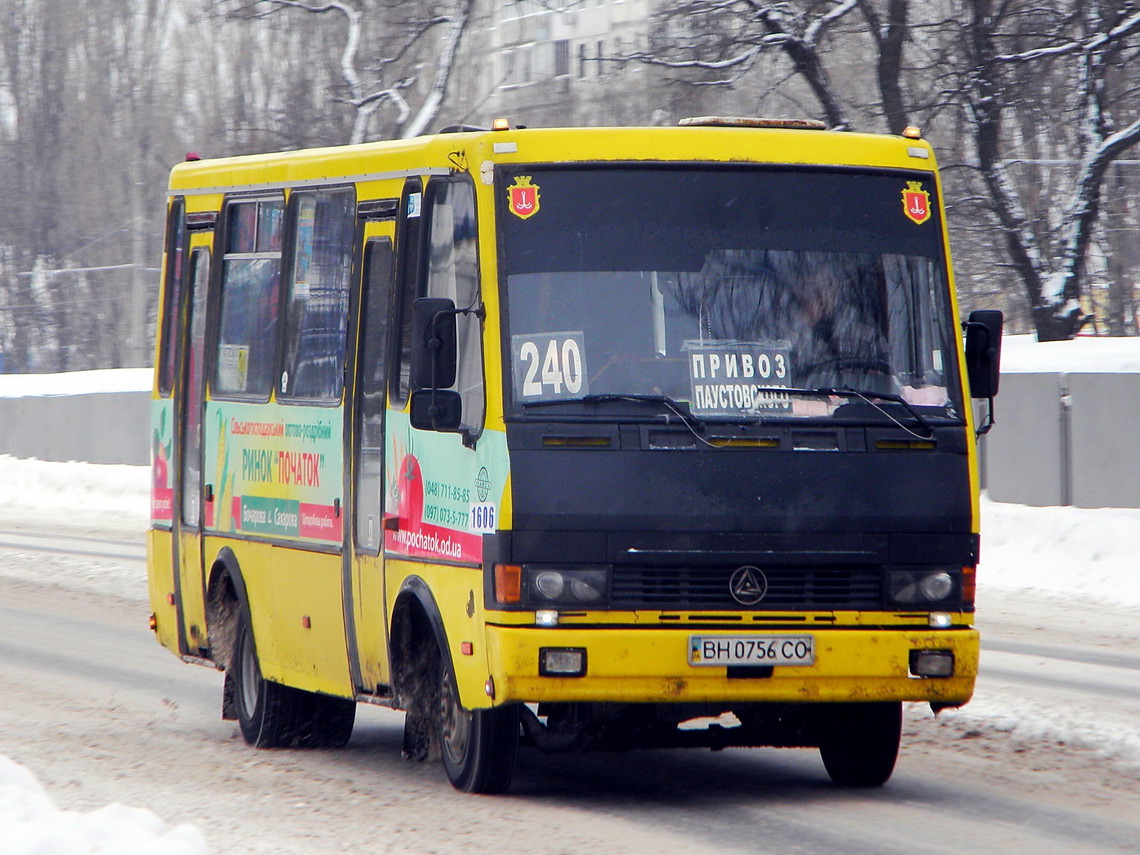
(718, 287)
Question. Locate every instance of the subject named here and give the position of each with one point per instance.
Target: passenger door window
(317, 296)
(247, 326)
(192, 423)
(373, 374)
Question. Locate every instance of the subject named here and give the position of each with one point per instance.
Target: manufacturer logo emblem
(748, 585)
(482, 484)
(916, 202)
(522, 197)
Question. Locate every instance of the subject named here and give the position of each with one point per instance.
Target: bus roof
(470, 150)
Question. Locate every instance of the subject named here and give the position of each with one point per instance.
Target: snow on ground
(31, 824)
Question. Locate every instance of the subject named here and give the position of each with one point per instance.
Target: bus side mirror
(436, 409)
(983, 352)
(434, 351)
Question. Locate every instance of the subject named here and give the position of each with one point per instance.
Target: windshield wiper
(866, 396)
(679, 408)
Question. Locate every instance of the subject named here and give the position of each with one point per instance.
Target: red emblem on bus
(916, 202)
(522, 197)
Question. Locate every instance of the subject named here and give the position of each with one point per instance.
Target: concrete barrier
(1061, 438)
(1104, 440)
(1065, 439)
(1022, 455)
(102, 427)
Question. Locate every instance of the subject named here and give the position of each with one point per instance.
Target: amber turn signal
(508, 583)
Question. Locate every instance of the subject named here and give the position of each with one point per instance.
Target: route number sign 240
(549, 366)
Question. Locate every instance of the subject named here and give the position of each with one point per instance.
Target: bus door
(366, 612)
(187, 522)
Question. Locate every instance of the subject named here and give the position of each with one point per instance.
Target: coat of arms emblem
(916, 202)
(522, 197)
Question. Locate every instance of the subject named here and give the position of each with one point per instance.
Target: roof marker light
(912, 133)
(501, 125)
(751, 122)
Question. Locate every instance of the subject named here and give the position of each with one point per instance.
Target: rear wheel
(859, 743)
(275, 716)
(478, 747)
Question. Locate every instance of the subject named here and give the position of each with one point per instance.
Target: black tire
(859, 743)
(478, 747)
(275, 716)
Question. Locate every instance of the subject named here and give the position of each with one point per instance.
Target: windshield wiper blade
(865, 395)
(679, 408)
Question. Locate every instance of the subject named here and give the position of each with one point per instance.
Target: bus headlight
(564, 586)
(919, 586)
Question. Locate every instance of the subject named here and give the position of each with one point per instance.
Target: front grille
(835, 587)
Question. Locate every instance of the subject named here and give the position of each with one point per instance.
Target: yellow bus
(571, 439)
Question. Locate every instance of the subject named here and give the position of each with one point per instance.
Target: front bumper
(650, 665)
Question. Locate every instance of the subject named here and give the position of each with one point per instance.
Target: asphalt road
(100, 713)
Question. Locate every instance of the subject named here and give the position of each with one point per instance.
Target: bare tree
(721, 41)
(1011, 64)
(1052, 270)
(369, 81)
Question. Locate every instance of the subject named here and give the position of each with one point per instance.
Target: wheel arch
(226, 572)
(226, 600)
(416, 620)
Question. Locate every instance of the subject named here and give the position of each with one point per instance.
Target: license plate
(751, 650)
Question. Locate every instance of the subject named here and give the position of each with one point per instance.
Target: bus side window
(372, 371)
(408, 235)
(451, 269)
(198, 275)
(245, 359)
(172, 294)
(316, 315)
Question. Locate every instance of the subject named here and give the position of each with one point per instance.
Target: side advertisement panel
(161, 455)
(441, 497)
(276, 472)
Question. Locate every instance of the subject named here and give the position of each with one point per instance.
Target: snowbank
(1075, 552)
(31, 824)
(1023, 354)
(76, 382)
(74, 487)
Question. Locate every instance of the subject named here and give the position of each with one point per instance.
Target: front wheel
(478, 747)
(275, 716)
(859, 743)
